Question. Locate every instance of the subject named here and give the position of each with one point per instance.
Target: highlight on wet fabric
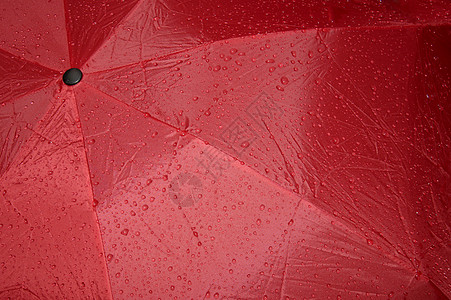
(225, 150)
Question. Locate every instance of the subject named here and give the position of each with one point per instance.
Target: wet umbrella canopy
(225, 149)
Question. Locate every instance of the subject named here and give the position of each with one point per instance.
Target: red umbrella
(233, 149)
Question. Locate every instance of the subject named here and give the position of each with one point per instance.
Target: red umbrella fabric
(225, 150)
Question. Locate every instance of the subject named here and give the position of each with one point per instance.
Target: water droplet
(124, 232)
(245, 144)
(284, 80)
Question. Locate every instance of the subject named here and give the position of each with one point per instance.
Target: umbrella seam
(113, 31)
(92, 197)
(266, 35)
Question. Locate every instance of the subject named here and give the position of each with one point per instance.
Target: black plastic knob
(72, 76)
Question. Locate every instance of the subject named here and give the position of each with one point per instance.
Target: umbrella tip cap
(72, 76)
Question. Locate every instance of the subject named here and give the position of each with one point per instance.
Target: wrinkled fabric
(285, 150)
